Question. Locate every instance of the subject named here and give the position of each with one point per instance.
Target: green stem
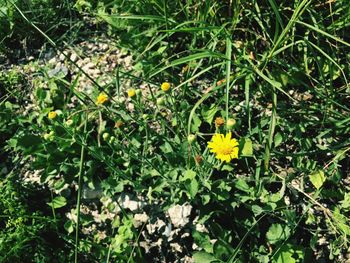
(228, 71)
(81, 165)
(269, 142)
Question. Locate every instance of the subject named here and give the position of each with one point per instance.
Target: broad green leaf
(189, 174)
(242, 185)
(193, 188)
(203, 257)
(209, 114)
(278, 139)
(68, 226)
(246, 147)
(277, 233)
(203, 241)
(317, 178)
(288, 254)
(345, 204)
(58, 202)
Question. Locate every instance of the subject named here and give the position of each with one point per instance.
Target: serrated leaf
(189, 174)
(58, 202)
(203, 257)
(317, 178)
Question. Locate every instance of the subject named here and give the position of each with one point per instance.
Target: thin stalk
(269, 142)
(81, 165)
(228, 71)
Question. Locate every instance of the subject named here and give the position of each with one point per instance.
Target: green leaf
(203, 241)
(278, 139)
(68, 226)
(317, 178)
(203, 257)
(58, 202)
(208, 114)
(277, 233)
(242, 185)
(289, 254)
(166, 148)
(246, 146)
(193, 188)
(196, 123)
(345, 204)
(189, 174)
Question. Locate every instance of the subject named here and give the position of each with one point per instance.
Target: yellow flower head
(224, 147)
(165, 86)
(52, 115)
(131, 93)
(101, 98)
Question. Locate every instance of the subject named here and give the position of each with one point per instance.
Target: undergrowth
(269, 76)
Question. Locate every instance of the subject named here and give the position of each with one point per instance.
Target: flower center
(226, 149)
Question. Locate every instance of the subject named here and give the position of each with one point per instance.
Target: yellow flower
(101, 98)
(131, 93)
(52, 115)
(165, 86)
(224, 147)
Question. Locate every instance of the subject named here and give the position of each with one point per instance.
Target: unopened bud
(105, 136)
(231, 123)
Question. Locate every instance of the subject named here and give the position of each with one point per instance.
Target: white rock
(74, 57)
(140, 219)
(179, 215)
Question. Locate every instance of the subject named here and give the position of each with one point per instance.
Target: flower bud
(191, 138)
(69, 122)
(105, 136)
(231, 123)
(52, 115)
(160, 101)
(118, 124)
(219, 122)
(112, 139)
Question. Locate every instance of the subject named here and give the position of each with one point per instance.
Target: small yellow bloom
(224, 147)
(165, 86)
(101, 98)
(52, 115)
(131, 93)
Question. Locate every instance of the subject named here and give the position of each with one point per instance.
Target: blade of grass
(81, 166)
(200, 55)
(228, 72)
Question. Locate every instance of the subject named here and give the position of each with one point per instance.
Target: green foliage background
(278, 68)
